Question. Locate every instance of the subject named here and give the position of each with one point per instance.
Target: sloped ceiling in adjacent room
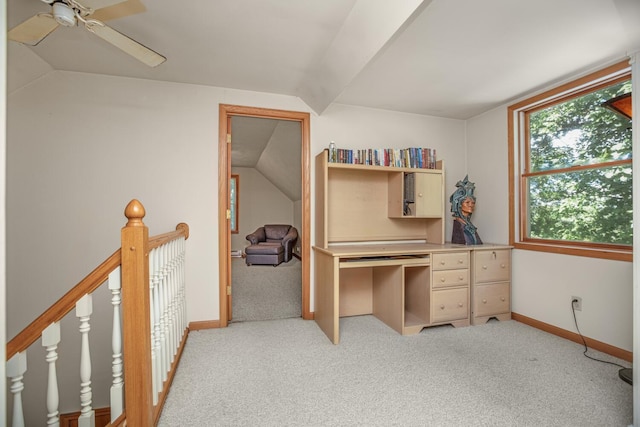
(273, 148)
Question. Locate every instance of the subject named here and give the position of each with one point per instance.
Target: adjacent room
(195, 139)
(266, 197)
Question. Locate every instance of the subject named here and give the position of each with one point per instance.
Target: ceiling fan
(90, 13)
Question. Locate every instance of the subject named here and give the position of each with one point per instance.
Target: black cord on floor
(573, 310)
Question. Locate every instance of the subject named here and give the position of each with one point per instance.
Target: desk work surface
(392, 249)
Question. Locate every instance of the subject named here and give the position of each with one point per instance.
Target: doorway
(226, 113)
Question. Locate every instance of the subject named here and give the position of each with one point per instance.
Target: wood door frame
(224, 172)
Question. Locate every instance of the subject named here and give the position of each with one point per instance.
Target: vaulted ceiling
(446, 58)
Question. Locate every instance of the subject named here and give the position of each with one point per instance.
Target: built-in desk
(406, 286)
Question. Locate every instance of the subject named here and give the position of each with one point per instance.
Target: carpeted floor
(264, 292)
(287, 373)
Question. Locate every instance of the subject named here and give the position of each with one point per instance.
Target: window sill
(612, 254)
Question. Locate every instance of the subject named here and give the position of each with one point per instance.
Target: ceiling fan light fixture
(64, 15)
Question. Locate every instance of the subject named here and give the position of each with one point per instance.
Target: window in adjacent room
(570, 167)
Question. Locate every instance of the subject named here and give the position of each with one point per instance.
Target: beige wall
(101, 141)
(3, 110)
(80, 147)
(261, 203)
(84, 161)
(544, 283)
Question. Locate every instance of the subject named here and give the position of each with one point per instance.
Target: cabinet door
(429, 196)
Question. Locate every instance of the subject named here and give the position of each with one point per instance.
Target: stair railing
(149, 330)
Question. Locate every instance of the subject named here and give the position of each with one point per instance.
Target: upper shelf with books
(438, 166)
(412, 157)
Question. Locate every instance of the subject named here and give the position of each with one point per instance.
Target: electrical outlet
(576, 302)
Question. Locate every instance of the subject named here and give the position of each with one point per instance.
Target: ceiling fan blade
(119, 10)
(98, 4)
(128, 45)
(33, 30)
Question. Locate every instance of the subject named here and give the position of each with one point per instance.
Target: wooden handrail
(67, 302)
(64, 305)
(182, 229)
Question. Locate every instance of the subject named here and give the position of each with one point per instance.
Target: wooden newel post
(136, 318)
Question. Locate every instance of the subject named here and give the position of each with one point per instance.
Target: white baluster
(172, 301)
(183, 295)
(84, 309)
(164, 319)
(117, 385)
(155, 326)
(178, 311)
(50, 341)
(16, 367)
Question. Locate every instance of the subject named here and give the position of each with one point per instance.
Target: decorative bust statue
(462, 204)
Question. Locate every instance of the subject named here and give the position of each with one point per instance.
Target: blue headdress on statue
(464, 191)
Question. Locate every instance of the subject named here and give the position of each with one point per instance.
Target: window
(570, 169)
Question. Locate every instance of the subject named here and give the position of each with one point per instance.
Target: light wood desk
(406, 286)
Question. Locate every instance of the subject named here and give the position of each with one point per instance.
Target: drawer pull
(460, 304)
(442, 262)
(460, 278)
(502, 266)
(443, 280)
(442, 307)
(460, 261)
(484, 301)
(484, 267)
(502, 299)
(419, 194)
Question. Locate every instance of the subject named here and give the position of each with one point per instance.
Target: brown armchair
(271, 244)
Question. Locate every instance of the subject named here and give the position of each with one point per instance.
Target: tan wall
(544, 283)
(260, 203)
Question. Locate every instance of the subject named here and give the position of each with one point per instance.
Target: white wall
(543, 283)
(81, 146)
(3, 140)
(354, 127)
(261, 203)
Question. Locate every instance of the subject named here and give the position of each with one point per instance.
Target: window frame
(519, 152)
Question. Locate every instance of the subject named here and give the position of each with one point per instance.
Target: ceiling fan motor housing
(64, 14)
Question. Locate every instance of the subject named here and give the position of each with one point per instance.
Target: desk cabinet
(491, 287)
(450, 288)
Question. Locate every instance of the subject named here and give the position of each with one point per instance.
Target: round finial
(134, 212)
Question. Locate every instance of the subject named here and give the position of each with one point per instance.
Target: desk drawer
(450, 304)
(450, 260)
(492, 266)
(448, 278)
(491, 299)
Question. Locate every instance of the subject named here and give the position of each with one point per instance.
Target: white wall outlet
(576, 302)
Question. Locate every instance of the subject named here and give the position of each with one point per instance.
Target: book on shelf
(412, 157)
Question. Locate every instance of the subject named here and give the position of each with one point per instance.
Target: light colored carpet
(265, 292)
(287, 373)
